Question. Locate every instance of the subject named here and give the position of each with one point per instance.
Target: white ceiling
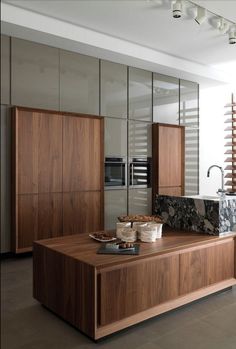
(147, 23)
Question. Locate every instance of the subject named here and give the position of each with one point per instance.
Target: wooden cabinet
(168, 159)
(203, 267)
(82, 212)
(82, 156)
(136, 288)
(101, 294)
(57, 175)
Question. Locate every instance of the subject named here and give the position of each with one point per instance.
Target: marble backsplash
(195, 214)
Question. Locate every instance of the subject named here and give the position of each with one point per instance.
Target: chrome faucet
(222, 190)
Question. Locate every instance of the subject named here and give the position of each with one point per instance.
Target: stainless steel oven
(140, 172)
(115, 172)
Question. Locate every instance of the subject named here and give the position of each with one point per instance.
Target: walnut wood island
(102, 294)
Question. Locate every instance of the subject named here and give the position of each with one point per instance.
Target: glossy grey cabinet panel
(35, 75)
(115, 205)
(140, 201)
(5, 178)
(140, 94)
(5, 69)
(79, 83)
(115, 137)
(189, 109)
(165, 99)
(113, 89)
(140, 139)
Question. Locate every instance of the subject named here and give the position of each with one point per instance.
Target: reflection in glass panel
(140, 201)
(189, 111)
(191, 161)
(140, 94)
(140, 139)
(113, 89)
(165, 99)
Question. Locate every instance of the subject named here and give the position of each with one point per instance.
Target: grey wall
(39, 76)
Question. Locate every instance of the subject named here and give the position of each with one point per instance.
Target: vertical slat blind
(230, 146)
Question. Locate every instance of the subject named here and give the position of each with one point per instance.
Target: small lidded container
(120, 226)
(138, 226)
(151, 232)
(128, 235)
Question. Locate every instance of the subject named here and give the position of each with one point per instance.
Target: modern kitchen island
(102, 294)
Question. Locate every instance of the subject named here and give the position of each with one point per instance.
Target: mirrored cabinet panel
(140, 94)
(115, 205)
(191, 161)
(115, 137)
(189, 111)
(113, 89)
(5, 69)
(34, 75)
(140, 139)
(165, 99)
(79, 83)
(140, 201)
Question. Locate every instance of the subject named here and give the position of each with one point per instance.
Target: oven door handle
(132, 174)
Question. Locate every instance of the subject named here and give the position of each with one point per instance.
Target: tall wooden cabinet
(57, 175)
(168, 159)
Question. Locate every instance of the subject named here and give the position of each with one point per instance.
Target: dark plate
(104, 250)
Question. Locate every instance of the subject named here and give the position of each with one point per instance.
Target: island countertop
(102, 294)
(84, 248)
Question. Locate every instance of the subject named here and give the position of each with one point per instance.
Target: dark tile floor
(206, 324)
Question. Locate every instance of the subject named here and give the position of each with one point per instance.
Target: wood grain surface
(135, 288)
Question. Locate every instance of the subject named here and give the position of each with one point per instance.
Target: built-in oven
(140, 172)
(115, 172)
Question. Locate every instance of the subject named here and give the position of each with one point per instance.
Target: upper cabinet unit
(165, 99)
(113, 89)
(35, 75)
(168, 159)
(79, 83)
(140, 139)
(115, 137)
(5, 69)
(140, 94)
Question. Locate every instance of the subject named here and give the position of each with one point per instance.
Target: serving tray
(104, 250)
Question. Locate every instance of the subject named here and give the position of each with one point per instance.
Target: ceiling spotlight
(201, 15)
(177, 9)
(232, 36)
(224, 26)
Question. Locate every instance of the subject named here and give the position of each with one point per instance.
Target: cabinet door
(171, 156)
(140, 139)
(35, 75)
(140, 94)
(27, 229)
(50, 153)
(49, 215)
(82, 212)
(115, 137)
(27, 140)
(82, 154)
(172, 191)
(113, 89)
(165, 99)
(115, 205)
(79, 83)
(204, 267)
(137, 288)
(5, 69)
(6, 183)
(140, 201)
